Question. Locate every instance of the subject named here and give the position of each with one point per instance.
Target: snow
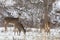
(9, 2)
(31, 35)
(36, 1)
(25, 15)
(56, 5)
(2, 1)
(34, 33)
(53, 14)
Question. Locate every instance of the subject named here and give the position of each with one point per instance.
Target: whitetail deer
(8, 20)
(15, 21)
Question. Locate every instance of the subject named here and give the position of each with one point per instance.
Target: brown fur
(20, 27)
(8, 20)
(16, 22)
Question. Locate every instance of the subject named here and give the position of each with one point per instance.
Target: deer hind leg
(5, 25)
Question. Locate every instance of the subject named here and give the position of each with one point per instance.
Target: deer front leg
(15, 29)
(24, 30)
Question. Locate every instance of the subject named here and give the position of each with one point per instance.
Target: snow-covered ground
(31, 34)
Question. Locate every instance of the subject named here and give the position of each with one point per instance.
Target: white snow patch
(31, 35)
(25, 15)
(9, 3)
(1, 1)
(56, 5)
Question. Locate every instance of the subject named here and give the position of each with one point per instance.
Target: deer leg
(23, 30)
(19, 32)
(14, 30)
(5, 25)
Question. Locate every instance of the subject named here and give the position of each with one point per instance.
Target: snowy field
(31, 34)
